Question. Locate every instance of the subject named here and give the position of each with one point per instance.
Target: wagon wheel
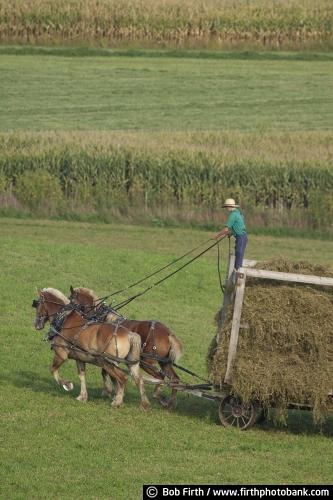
(234, 412)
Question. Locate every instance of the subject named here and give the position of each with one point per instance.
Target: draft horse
(159, 346)
(101, 344)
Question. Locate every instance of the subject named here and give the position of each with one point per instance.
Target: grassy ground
(52, 445)
(42, 92)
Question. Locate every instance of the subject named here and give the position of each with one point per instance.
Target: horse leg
(157, 394)
(120, 391)
(120, 379)
(151, 370)
(57, 362)
(135, 372)
(172, 375)
(134, 357)
(81, 368)
(107, 382)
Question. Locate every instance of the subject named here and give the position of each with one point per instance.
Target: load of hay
(285, 346)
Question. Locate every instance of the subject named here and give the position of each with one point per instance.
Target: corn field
(124, 174)
(213, 23)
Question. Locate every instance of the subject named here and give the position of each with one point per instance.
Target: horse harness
(101, 316)
(36, 303)
(150, 333)
(57, 325)
(98, 318)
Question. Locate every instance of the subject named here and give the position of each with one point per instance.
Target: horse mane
(87, 291)
(57, 294)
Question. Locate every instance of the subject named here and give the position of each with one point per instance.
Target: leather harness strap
(151, 332)
(108, 342)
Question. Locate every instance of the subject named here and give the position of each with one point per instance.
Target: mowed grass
(44, 92)
(52, 445)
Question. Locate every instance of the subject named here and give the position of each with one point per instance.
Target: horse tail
(176, 348)
(135, 347)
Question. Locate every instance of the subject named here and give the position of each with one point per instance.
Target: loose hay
(285, 347)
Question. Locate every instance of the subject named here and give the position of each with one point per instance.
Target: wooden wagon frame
(232, 411)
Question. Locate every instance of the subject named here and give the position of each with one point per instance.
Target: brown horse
(158, 344)
(101, 344)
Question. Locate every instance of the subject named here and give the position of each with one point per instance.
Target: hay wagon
(232, 411)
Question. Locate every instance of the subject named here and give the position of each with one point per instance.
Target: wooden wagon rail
(291, 277)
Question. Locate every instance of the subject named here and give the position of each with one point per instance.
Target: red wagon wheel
(233, 412)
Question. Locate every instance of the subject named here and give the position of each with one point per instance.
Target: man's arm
(225, 231)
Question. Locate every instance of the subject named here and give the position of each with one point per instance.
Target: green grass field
(52, 445)
(274, 107)
(150, 93)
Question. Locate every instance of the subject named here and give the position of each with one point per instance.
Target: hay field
(47, 434)
(166, 93)
(257, 128)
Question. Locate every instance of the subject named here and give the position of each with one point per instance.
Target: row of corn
(273, 22)
(101, 177)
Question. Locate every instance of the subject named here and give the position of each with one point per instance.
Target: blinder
(35, 303)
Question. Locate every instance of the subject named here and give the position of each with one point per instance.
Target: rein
(130, 299)
(218, 267)
(156, 272)
(168, 360)
(127, 301)
(42, 300)
(55, 325)
(58, 322)
(106, 357)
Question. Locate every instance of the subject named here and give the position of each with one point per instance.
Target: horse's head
(49, 302)
(83, 297)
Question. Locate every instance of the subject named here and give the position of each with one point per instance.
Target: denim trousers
(240, 246)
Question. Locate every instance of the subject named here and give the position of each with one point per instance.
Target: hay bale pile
(285, 347)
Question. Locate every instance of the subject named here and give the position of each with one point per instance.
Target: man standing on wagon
(235, 226)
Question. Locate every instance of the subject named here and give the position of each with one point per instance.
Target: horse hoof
(68, 386)
(116, 405)
(145, 406)
(82, 399)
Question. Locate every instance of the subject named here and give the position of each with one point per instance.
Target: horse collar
(57, 323)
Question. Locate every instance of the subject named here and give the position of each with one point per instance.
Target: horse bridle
(36, 303)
